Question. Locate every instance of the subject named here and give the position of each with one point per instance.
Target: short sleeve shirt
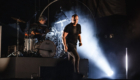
(73, 32)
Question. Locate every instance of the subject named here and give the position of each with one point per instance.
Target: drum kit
(51, 46)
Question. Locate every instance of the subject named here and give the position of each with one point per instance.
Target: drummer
(39, 30)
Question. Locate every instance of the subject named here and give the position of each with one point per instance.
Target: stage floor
(25, 67)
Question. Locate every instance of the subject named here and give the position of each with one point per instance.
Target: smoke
(90, 49)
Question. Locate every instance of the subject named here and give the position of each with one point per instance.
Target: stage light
(126, 63)
(91, 49)
(110, 73)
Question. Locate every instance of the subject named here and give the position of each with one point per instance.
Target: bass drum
(47, 49)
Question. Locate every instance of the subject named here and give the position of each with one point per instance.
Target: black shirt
(39, 29)
(73, 32)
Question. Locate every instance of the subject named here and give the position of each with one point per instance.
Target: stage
(29, 67)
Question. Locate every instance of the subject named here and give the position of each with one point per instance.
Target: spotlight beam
(92, 51)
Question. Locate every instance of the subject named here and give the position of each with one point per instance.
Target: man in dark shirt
(71, 34)
(39, 30)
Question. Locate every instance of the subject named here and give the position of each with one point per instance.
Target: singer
(71, 34)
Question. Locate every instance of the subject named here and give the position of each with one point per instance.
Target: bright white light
(91, 49)
(126, 63)
(110, 73)
(60, 21)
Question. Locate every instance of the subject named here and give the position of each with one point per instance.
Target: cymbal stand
(17, 53)
(59, 35)
(17, 50)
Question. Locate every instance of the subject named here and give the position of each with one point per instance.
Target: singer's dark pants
(72, 51)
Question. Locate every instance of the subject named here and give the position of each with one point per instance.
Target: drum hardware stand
(58, 43)
(60, 46)
(17, 53)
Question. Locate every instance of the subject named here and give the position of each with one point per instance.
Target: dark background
(118, 17)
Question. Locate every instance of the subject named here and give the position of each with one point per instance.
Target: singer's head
(75, 19)
(42, 19)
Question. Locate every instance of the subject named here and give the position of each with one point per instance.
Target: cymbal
(19, 20)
